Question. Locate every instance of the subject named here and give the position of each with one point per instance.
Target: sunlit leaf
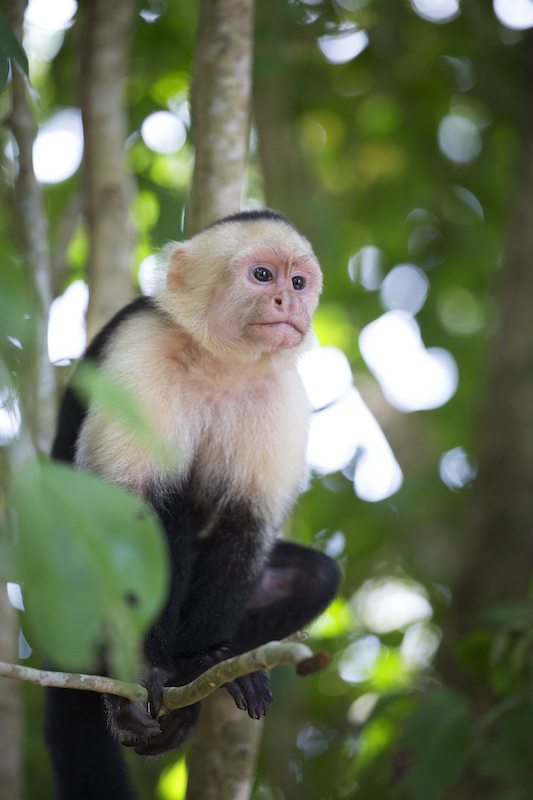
(337, 620)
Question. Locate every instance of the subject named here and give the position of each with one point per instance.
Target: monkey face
(270, 301)
(244, 289)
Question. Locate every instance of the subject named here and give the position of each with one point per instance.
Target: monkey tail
(86, 760)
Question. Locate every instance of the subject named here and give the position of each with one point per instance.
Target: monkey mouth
(279, 323)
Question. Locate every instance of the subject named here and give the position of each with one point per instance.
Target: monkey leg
(297, 585)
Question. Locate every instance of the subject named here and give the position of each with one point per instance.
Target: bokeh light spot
(58, 148)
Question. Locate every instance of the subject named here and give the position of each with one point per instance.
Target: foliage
(93, 565)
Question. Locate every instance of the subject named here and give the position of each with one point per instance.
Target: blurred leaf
(93, 564)
(437, 741)
(172, 784)
(337, 620)
(117, 403)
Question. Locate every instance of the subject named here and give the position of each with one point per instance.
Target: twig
(264, 657)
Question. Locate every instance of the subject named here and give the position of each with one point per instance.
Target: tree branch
(264, 657)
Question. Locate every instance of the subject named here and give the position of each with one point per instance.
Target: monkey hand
(145, 731)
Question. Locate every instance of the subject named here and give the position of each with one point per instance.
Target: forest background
(398, 137)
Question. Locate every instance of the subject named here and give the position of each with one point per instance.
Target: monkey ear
(177, 265)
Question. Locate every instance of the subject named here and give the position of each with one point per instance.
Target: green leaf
(10, 49)
(437, 741)
(93, 565)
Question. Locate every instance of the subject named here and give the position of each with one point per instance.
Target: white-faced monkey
(211, 359)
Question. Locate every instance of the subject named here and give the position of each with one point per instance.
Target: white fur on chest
(243, 429)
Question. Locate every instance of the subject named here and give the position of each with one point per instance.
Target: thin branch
(264, 657)
(73, 680)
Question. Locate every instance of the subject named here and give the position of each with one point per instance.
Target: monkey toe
(251, 693)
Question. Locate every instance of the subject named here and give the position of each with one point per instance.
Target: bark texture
(10, 707)
(223, 752)
(33, 236)
(220, 105)
(108, 186)
(224, 746)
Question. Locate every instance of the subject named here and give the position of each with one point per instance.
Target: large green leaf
(93, 565)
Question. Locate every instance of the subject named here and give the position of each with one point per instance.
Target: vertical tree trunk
(224, 746)
(10, 707)
(108, 187)
(500, 527)
(223, 752)
(220, 103)
(33, 233)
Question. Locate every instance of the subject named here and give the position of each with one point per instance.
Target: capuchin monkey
(211, 360)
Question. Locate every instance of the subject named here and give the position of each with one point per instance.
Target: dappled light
(147, 274)
(461, 311)
(44, 27)
(58, 148)
(439, 11)
(459, 138)
(345, 44)
(412, 377)
(67, 334)
(344, 434)
(365, 267)
(388, 604)
(405, 288)
(163, 132)
(456, 469)
(514, 14)
(358, 659)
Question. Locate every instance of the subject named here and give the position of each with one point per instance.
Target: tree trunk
(33, 233)
(500, 526)
(108, 187)
(224, 746)
(10, 707)
(220, 104)
(223, 752)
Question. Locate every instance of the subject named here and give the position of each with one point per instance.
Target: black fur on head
(251, 216)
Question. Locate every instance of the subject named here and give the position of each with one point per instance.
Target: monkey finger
(155, 684)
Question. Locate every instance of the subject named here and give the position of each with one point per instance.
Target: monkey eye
(298, 282)
(262, 274)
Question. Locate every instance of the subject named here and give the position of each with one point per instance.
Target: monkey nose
(278, 301)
